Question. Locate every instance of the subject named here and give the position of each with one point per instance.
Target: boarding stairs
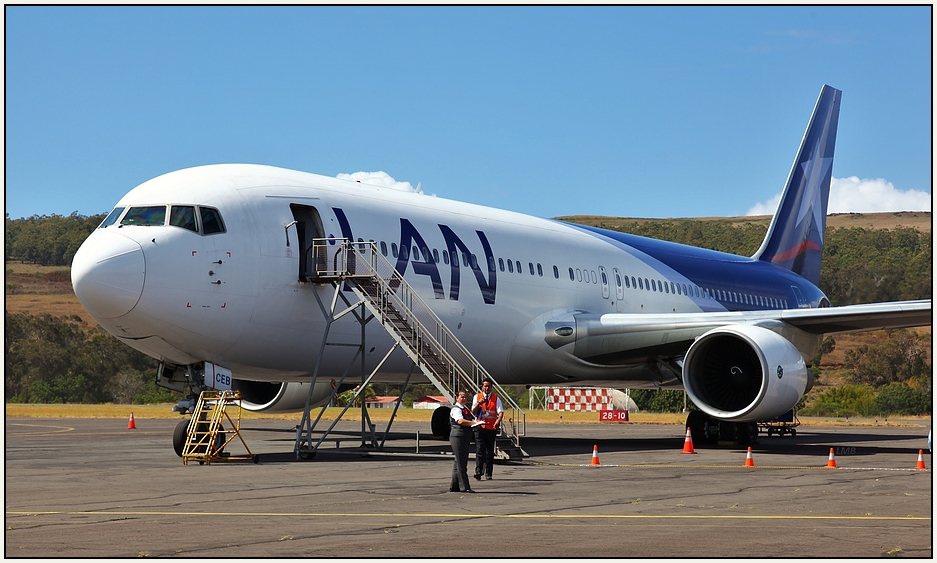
(206, 437)
(413, 325)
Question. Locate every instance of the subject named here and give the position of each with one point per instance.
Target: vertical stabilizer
(795, 237)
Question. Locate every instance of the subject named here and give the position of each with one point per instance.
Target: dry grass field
(47, 289)
(919, 220)
(143, 412)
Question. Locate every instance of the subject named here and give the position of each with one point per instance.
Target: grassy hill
(920, 220)
(47, 289)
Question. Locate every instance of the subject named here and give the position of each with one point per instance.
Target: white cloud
(380, 179)
(852, 195)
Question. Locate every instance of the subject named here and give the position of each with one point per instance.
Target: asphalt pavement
(93, 488)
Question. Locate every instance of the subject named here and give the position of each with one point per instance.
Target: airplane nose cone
(107, 274)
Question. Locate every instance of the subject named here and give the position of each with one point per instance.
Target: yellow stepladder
(206, 438)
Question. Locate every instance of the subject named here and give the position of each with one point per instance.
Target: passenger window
(152, 216)
(571, 277)
(530, 266)
(416, 254)
(539, 270)
(617, 279)
(435, 256)
(474, 262)
(393, 249)
(517, 264)
(404, 252)
(111, 217)
(627, 282)
(510, 266)
(211, 221)
(578, 274)
(445, 256)
(594, 279)
(556, 272)
(666, 288)
(633, 284)
(501, 264)
(604, 278)
(384, 248)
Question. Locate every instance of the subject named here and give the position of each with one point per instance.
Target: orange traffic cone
(688, 443)
(595, 455)
(832, 462)
(749, 462)
(920, 460)
(131, 424)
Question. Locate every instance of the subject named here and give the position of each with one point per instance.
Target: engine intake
(260, 396)
(744, 373)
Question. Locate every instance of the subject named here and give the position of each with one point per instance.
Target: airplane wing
(858, 318)
(619, 336)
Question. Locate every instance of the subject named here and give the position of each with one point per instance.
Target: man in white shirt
(486, 406)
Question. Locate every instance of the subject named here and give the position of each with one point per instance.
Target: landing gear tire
(697, 422)
(179, 435)
(306, 455)
(440, 422)
(748, 433)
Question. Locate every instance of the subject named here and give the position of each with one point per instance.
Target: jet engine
(744, 373)
(261, 396)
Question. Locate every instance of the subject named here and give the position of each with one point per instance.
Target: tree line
(859, 265)
(53, 359)
(49, 240)
(49, 359)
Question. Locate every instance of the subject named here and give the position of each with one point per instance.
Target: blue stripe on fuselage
(713, 270)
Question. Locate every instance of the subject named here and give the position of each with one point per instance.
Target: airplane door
(619, 288)
(801, 302)
(308, 228)
(604, 276)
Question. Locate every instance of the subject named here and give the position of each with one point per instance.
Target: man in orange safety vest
(486, 406)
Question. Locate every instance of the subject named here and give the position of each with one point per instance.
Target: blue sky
(624, 111)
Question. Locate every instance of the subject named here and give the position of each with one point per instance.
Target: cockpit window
(183, 216)
(111, 218)
(211, 221)
(145, 216)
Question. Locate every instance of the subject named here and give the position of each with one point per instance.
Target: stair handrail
(343, 258)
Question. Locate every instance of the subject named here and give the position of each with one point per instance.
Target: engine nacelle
(260, 396)
(744, 373)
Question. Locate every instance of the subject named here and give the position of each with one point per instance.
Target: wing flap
(859, 318)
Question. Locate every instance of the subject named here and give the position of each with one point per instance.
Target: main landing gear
(710, 431)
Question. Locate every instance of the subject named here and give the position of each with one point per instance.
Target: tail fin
(795, 237)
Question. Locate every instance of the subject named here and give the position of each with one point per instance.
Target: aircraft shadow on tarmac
(346, 445)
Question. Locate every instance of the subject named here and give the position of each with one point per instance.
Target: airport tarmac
(93, 488)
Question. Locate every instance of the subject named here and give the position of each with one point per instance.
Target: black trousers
(484, 451)
(459, 440)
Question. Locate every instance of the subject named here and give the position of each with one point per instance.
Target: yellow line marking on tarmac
(47, 432)
(668, 466)
(459, 516)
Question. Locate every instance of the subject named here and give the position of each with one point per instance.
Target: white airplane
(208, 264)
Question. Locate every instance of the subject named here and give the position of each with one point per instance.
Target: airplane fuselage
(495, 277)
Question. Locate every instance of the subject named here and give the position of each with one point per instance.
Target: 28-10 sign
(613, 416)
